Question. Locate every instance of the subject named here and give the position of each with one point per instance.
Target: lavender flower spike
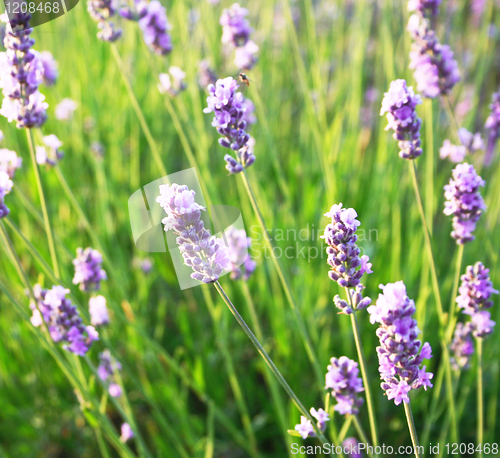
(5, 187)
(423, 5)
(106, 372)
(464, 201)
(102, 11)
(21, 72)
(493, 127)
(321, 416)
(235, 28)
(229, 109)
(462, 346)
(343, 253)
(9, 162)
(155, 26)
(342, 378)
(88, 269)
(98, 311)
(400, 353)
(476, 290)
(204, 253)
(240, 262)
(399, 103)
(62, 319)
(435, 69)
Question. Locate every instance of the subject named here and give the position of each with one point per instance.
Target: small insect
(244, 79)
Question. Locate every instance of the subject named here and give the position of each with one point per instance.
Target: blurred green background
(195, 384)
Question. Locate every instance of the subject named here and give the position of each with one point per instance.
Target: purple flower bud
(305, 428)
(462, 346)
(464, 201)
(102, 11)
(88, 269)
(399, 103)
(476, 290)
(321, 416)
(400, 354)
(342, 378)
(126, 433)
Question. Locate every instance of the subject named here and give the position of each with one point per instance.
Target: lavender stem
(413, 431)
(361, 432)
(480, 415)
(268, 360)
(43, 203)
(284, 283)
(364, 374)
(458, 267)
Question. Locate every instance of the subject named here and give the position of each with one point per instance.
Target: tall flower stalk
(206, 256)
(347, 269)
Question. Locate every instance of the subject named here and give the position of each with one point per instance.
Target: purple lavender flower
(98, 311)
(342, 378)
(305, 428)
(236, 33)
(154, 25)
(423, 5)
(62, 319)
(21, 72)
(476, 290)
(173, 82)
(435, 69)
(126, 433)
(9, 162)
(343, 253)
(102, 11)
(493, 127)
(88, 269)
(235, 28)
(240, 262)
(399, 103)
(464, 201)
(229, 109)
(204, 253)
(5, 187)
(456, 153)
(400, 353)
(49, 64)
(321, 416)
(473, 142)
(65, 109)
(350, 447)
(106, 372)
(462, 346)
(482, 325)
(51, 153)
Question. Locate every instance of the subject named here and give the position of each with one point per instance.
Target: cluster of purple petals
(5, 187)
(399, 103)
(493, 127)
(351, 448)
(102, 11)
(63, 321)
(88, 269)
(240, 261)
(474, 298)
(462, 346)
(21, 72)
(229, 108)
(435, 69)
(305, 427)
(464, 201)
(344, 381)
(422, 6)
(154, 25)
(106, 372)
(49, 65)
(204, 253)
(236, 32)
(357, 301)
(400, 353)
(343, 253)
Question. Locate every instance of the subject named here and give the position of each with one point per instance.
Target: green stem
(361, 432)
(285, 284)
(453, 302)
(428, 245)
(413, 431)
(45, 213)
(480, 414)
(364, 374)
(269, 361)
